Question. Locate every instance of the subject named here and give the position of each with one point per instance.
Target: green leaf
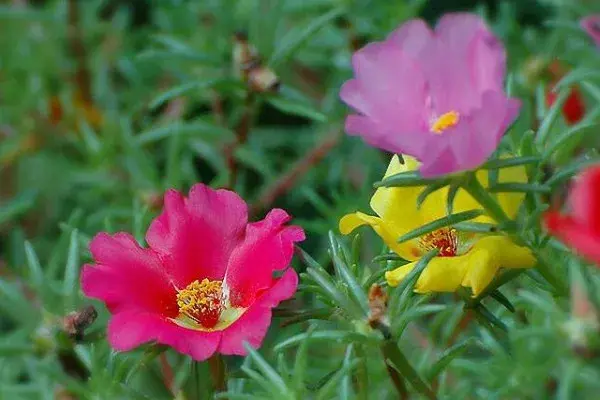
(36, 274)
(397, 360)
(268, 371)
(327, 336)
(332, 386)
(570, 170)
(295, 38)
(510, 162)
(181, 90)
(502, 299)
(576, 76)
(510, 187)
(71, 272)
(301, 363)
(407, 285)
(196, 128)
(440, 223)
(447, 357)
(566, 138)
(301, 109)
(409, 178)
(354, 287)
(17, 206)
(543, 132)
(477, 227)
(452, 192)
(429, 189)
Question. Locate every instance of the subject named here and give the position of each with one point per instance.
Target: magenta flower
(591, 25)
(435, 95)
(205, 284)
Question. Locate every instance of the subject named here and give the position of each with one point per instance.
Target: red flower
(204, 285)
(580, 229)
(573, 109)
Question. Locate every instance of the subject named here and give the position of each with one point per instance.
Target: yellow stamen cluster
(202, 302)
(445, 121)
(445, 240)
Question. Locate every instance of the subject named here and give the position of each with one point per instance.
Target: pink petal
(127, 276)
(463, 61)
(389, 91)
(129, 329)
(195, 236)
(412, 37)
(473, 140)
(267, 247)
(591, 24)
(254, 323)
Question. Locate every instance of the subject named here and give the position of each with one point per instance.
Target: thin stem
(399, 369)
(218, 372)
(489, 203)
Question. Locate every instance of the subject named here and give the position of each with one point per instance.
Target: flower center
(445, 240)
(445, 121)
(202, 302)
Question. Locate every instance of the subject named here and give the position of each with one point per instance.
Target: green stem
(218, 372)
(361, 376)
(489, 203)
(399, 369)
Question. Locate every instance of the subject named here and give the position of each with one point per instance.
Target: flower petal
(127, 330)
(388, 233)
(578, 236)
(195, 236)
(121, 264)
(490, 254)
(267, 247)
(412, 37)
(254, 323)
(584, 198)
(442, 274)
(389, 90)
(461, 63)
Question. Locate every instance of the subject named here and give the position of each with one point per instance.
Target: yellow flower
(464, 259)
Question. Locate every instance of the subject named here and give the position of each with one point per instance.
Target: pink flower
(591, 24)
(435, 95)
(204, 285)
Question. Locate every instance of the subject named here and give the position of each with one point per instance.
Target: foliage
(106, 104)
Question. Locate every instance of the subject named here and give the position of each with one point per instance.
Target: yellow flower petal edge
(350, 222)
(442, 274)
(475, 269)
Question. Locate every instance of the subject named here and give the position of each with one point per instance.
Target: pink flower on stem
(591, 24)
(206, 283)
(434, 95)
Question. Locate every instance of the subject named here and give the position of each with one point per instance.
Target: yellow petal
(398, 206)
(442, 274)
(490, 254)
(352, 221)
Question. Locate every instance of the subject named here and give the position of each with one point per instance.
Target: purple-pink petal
(402, 85)
(591, 24)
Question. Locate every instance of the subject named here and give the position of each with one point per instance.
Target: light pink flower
(205, 284)
(435, 95)
(591, 24)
